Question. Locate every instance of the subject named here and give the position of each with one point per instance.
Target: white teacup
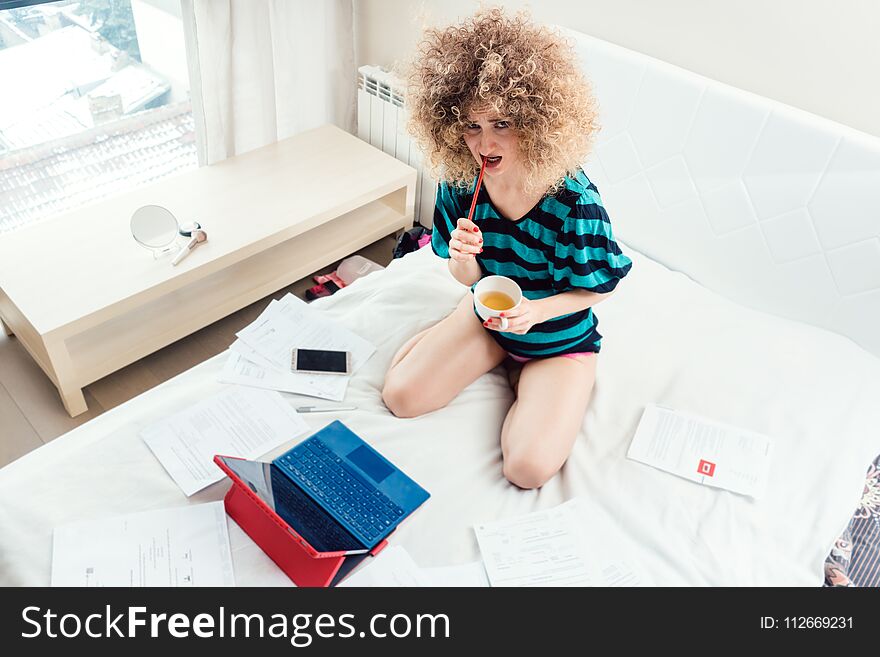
(496, 284)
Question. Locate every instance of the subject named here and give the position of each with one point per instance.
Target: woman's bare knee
(528, 469)
(439, 362)
(532, 451)
(396, 398)
(402, 399)
(542, 426)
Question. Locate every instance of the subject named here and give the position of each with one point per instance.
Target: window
(95, 101)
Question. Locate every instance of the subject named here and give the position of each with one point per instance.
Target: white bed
(668, 340)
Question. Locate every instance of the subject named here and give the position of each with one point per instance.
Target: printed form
(291, 323)
(186, 546)
(244, 422)
(261, 355)
(243, 370)
(563, 546)
(704, 451)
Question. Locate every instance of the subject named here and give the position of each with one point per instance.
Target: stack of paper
(187, 546)
(261, 355)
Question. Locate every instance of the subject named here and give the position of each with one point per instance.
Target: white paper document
(536, 549)
(701, 450)
(252, 355)
(393, 566)
(620, 573)
(290, 323)
(186, 546)
(561, 546)
(243, 371)
(261, 356)
(460, 576)
(244, 422)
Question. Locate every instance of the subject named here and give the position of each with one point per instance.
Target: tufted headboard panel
(770, 206)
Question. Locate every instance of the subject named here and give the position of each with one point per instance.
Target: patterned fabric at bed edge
(855, 557)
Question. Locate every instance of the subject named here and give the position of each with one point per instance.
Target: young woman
(510, 91)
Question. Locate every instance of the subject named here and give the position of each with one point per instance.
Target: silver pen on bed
(322, 409)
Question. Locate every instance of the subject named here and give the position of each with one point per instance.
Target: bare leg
(407, 347)
(430, 372)
(543, 423)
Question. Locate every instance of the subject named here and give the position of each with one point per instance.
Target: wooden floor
(31, 413)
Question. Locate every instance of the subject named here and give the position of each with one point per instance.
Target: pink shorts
(526, 359)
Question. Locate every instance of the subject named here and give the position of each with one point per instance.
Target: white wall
(820, 55)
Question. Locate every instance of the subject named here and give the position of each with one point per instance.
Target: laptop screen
(293, 506)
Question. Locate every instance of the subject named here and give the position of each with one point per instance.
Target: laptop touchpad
(363, 458)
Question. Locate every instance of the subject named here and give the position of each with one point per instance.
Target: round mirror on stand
(155, 228)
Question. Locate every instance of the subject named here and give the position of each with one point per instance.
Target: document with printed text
(244, 422)
(242, 371)
(290, 323)
(261, 356)
(701, 450)
(185, 546)
(563, 546)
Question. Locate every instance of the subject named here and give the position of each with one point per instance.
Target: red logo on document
(706, 468)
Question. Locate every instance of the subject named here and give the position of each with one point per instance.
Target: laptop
(334, 490)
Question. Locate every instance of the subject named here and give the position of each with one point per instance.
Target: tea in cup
(494, 295)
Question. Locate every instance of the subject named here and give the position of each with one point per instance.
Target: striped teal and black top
(563, 243)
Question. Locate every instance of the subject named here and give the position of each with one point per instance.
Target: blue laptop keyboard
(310, 521)
(323, 474)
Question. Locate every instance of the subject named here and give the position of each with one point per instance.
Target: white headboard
(770, 206)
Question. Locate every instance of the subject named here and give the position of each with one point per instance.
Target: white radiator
(382, 123)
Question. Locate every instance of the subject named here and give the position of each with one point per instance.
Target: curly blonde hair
(518, 69)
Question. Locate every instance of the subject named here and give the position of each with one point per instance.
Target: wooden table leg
(6, 328)
(74, 401)
(71, 394)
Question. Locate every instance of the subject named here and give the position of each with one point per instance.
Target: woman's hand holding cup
(466, 241)
(496, 300)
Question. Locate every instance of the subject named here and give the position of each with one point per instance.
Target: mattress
(667, 340)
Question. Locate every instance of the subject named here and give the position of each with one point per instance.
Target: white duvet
(667, 340)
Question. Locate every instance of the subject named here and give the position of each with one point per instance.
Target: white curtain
(262, 70)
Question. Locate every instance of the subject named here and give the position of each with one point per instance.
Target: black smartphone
(320, 361)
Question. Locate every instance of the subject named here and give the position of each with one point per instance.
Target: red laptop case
(302, 563)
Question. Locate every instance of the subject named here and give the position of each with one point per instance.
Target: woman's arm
(568, 302)
(466, 272)
(535, 311)
(465, 242)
